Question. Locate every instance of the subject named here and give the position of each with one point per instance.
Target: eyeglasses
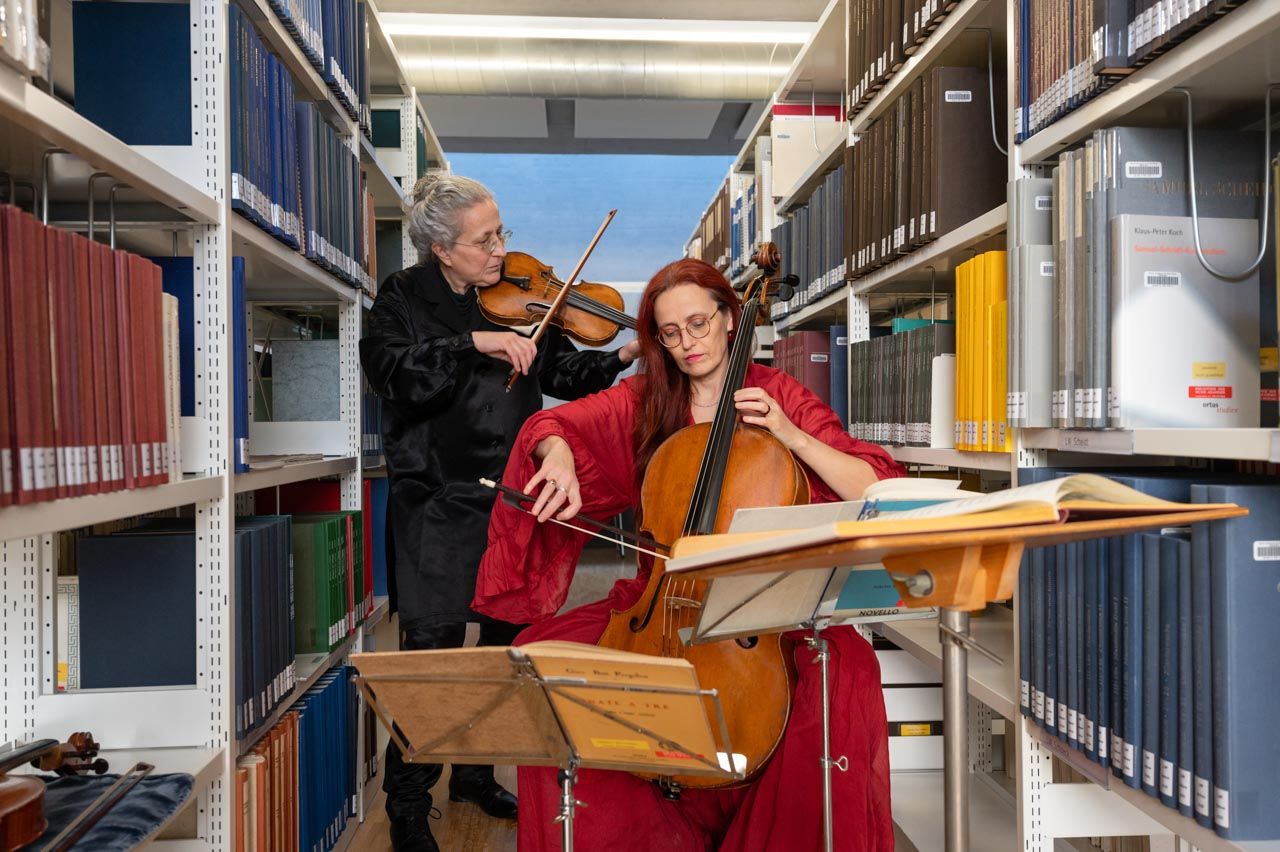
(490, 245)
(698, 327)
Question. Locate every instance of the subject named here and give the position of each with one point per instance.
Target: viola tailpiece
(22, 819)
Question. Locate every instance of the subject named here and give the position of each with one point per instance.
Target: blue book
(1025, 662)
(1102, 679)
(1116, 669)
(133, 70)
(137, 610)
(1073, 643)
(1062, 562)
(1201, 667)
(1167, 775)
(840, 373)
(1149, 670)
(1089, 647)
(1038, 628)
(1245, 598)
(1051, 639)
(1186, 688)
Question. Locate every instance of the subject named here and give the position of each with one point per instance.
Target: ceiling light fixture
(426, 25)
(474, 63)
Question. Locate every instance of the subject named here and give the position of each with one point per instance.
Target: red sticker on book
(1270, 395)
(1209, 392)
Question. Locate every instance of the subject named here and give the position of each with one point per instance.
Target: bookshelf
(189, 729)
(1227, 67)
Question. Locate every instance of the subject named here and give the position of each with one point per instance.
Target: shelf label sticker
(1046, 269)
(1144, 170)
(1044, 202)
(1096, 441)
(1152, 278)
(1266, 551)
(957, 96)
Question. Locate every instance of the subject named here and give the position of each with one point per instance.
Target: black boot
(412, 833)
(477, 784)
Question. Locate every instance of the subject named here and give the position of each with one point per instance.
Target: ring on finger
(562, 489)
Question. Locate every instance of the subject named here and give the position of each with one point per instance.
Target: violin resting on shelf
(22, 797)
(22, 819)
(592, 314)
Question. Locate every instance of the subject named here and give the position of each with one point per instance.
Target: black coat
(447, 421)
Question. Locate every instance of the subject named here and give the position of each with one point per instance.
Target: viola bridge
(674, 602)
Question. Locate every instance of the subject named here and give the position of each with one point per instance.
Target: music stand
(541, 705)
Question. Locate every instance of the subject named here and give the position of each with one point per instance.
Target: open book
(1053, 502)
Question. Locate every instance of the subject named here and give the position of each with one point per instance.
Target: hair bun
(424, 187)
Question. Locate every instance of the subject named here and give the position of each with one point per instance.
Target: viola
(592, 314)
(698, 478)
(22, 820)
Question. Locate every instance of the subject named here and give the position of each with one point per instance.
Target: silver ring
(552, 481)
(562, 488)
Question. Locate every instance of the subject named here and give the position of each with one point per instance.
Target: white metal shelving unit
(1227, 67)
(187, 729)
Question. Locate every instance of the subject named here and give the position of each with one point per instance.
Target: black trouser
(408, 785)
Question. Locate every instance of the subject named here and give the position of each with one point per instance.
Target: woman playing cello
(590, 456)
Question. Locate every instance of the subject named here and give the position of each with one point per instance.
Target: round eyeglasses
(490, 245)
(697, 327)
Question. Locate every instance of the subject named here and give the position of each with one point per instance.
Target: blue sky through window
(555, 202)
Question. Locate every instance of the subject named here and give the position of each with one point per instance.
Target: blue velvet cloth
(138, 816)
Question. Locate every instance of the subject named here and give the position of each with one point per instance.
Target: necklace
(702, 404)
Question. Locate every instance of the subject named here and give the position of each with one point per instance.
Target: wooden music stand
(542, 705)
(957, 570)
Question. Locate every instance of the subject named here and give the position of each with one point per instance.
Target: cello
(694, 483)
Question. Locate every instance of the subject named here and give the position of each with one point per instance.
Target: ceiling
(597, 76)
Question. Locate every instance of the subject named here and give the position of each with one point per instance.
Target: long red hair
(664, 393)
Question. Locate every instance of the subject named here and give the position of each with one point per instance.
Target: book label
(1166, 778)
(1046, 269)
(1101, 742)
(1266, 551)
(1209, 392)
(1208, 370)
(1184, 787)
(1148, 769)
(957, 96)
(1144, 170)
(1202, 796)
(1222, 808)
(1161, 279)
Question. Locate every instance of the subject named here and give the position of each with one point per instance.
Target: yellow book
(1001, 374)
(961, 315)
(994, 264)
(977, 341)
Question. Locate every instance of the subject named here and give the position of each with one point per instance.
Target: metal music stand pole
(819, 645)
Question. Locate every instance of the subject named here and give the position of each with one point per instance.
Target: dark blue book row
(327, 738)
(1154, 654)
(371, 428)
(263, 134)
(333, 193)
(331, 34)
(130, 640)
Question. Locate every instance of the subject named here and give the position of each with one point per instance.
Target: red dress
(525, 577)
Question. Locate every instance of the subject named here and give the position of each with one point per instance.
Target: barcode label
(1162, 279)
(819, 358)
(1266, 551)
(1046, 269)
(957, 96)
(1144, 170)
(1044, 202)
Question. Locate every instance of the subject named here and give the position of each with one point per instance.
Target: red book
(106, 371)
(42, 375)
(159, 410)
(125, 330)
(8, 250)
(87, 367)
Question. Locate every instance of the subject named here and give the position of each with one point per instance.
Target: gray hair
(439, 199)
